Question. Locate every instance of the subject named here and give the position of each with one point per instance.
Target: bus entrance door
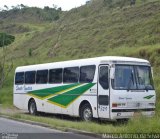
(103, 92)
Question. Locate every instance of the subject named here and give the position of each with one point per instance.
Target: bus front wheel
(86, 112)
(32, 107)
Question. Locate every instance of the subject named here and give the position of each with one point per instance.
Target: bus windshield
(129, 77)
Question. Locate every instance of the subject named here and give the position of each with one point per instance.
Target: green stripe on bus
(51, 91)
(148, 97)
(67, 98)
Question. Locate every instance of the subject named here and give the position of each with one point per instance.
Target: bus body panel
(68, 100)
(91, 99)
(132, 102)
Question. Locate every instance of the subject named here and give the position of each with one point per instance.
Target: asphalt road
(18, 130)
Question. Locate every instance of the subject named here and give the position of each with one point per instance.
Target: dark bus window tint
(19, 78)
(55, 76)
(87, 73)
(30, 77)
(71, 75)
(42, 76)
(103, 77)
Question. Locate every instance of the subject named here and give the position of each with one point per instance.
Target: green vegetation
(5, 66)
(135, 125)
(88, 31)
(23, 13)
(6, 39)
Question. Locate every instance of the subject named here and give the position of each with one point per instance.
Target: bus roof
(85, 62)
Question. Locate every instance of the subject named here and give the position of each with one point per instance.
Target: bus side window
(42, 77)
(30, 77)
(87, 73)
(55, 76)
(19, 78)
(71, 75)
(103, 77)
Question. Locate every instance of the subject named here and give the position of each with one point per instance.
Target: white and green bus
(103, 87)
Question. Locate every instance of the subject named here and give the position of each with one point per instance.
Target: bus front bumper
(129, 113)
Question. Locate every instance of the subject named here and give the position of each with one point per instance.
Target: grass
(134, 125)
(128, 31)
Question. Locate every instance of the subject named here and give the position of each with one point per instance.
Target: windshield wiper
(148, 87)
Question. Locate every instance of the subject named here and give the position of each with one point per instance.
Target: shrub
(6, 39)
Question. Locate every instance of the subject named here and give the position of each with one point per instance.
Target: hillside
(94, 29)
(22, 19)
(102, 32)
(127, 31)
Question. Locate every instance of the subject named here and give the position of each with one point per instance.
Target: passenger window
(55, 76)
(19, 78)
(42, 77)
(103, 77)
(30, 77)
(87, 73)
(71, 75)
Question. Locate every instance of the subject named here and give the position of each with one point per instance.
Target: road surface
(10, 129)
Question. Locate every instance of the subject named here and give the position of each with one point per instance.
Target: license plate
(137, 114)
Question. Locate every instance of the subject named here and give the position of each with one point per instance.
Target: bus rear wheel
(86, 112)
(32, 107)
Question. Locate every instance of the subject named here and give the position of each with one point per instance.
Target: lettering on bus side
(125, 98)
(28, 88)
(93, 90)
(19, 88)
(102, 108)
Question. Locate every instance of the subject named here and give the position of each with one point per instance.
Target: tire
(32, 107)
(86, 112)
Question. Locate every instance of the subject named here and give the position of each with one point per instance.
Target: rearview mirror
(152, 71)
(112, 72)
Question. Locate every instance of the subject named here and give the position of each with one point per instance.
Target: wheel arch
(30, 101)
(82, 104)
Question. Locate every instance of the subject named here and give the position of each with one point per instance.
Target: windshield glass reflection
(132, 77)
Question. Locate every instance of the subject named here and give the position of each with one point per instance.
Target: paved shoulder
(11, 128)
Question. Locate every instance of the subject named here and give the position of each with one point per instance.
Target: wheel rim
(32, 108)
(87, 114)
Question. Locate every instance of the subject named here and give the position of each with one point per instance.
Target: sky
(64, 4)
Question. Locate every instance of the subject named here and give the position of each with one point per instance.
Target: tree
(54, 6)
(46, 8)
(15, 8)
(30, 52)
(5, 6)
(5, 65)
(22, 6)
(108, 3)
(132, 2)
(88, 1)
(59, 9)
(6, 39)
